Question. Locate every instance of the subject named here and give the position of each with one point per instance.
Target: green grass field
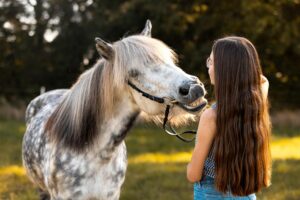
(157, 165)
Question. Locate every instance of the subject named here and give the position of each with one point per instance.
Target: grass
(14, 184)
(157, 164)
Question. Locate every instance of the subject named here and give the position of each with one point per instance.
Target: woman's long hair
(242, 154)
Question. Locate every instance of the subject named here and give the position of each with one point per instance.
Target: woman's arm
(205, 136)
(264, 87)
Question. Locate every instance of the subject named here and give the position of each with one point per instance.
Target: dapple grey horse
(74, 146)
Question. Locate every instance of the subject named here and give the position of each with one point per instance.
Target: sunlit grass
(286, 148)
(12, 169)
(157, 164)
(283, 148)
(14, 185)
(161, 158)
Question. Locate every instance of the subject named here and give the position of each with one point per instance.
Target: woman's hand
(264, 87)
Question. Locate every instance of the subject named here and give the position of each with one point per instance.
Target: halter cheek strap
(165, 123)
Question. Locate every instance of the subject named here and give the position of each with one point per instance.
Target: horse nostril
(184, 90)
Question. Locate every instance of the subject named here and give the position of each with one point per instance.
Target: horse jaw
(146, 105)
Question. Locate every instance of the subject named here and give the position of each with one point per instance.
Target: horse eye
(134, 73)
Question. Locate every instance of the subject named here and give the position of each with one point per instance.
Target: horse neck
(115, 129)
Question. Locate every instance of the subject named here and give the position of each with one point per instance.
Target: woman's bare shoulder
(209, 114)
(208, 118)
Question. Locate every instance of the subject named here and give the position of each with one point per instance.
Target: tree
(31, 58)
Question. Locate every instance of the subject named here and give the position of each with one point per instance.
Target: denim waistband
(207, 178)
(207, 183)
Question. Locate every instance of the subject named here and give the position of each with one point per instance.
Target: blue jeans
(205, 189)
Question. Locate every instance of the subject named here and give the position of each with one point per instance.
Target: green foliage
(28, 61)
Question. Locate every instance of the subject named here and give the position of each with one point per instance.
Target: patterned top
(209, 165)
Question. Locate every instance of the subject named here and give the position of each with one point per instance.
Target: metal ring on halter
(165, 123)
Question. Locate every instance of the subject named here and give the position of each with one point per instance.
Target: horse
(73, 147)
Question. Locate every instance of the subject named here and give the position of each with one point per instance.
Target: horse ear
(104, 49)
(147, 29)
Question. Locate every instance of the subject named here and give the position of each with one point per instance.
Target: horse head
(150, 68)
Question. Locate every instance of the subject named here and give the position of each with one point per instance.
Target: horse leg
(43, 195)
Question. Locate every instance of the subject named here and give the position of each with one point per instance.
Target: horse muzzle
(193, 100)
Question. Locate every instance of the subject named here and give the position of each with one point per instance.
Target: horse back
(51, 97)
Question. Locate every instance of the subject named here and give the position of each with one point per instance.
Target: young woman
(231, 158)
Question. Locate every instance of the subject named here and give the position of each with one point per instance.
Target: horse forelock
(141, 50)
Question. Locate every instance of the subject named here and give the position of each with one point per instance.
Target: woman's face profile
(210, 66)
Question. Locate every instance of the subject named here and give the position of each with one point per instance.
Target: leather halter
(166, 125)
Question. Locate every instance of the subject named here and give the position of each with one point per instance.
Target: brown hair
(242, 154)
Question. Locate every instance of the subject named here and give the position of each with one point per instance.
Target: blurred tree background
(50, 42)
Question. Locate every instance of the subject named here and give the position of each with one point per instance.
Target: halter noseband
(171, 130)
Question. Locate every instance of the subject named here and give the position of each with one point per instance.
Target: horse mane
(77, 120)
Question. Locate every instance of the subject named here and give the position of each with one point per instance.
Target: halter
(166, 125)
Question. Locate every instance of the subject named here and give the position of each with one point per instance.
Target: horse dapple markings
(74, 145)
